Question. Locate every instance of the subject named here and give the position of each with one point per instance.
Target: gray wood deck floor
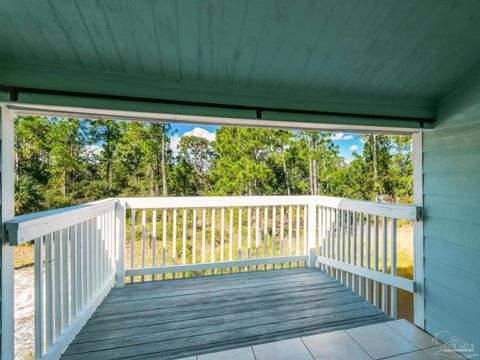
(178, 318)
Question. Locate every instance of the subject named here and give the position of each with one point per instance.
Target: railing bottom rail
(215, 265)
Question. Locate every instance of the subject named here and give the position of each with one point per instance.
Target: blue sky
(347, 142)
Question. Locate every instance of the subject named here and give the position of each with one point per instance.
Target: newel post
(311, 231)
(120, 213)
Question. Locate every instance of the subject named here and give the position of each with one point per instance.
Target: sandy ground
(24, 310)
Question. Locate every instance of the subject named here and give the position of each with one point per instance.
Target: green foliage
(60, 162)
(28, 196)
(240, 167)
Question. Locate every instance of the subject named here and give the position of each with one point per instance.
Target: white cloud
(353, 148)
(340, 136)
(174, 142)
(337, 136)
(199, 132)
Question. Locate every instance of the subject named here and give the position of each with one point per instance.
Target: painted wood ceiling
(404, 54)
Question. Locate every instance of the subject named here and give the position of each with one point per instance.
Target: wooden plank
(225, 288)
(228, 323)
(171, 311)
(196, 282)
(204, 296)
(182, 314)
(200, 302)
(210, 301)
(204, 303)
(152, 346)
(235, 277)
(200, 296)
(161, 324)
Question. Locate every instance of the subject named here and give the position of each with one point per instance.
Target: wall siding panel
(445, 276)
(452, 208)
(452, 217)
(452, 255)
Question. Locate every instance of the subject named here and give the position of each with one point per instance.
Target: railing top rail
(25, 228)
(396, 211)
(214, 201)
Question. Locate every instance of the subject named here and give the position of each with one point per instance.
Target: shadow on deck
(179, 318)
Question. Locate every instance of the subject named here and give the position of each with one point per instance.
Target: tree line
(60, 162)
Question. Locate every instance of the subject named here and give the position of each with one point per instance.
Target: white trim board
(271, 120)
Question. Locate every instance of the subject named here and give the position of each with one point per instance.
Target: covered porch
(196, 275)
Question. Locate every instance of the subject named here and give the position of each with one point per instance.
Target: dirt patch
(24, 313)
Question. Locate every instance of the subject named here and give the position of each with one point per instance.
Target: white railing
(82, 250)
(191, 235)
(357, 244)
(74, 267)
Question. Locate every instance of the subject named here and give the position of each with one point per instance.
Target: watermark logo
(453, 347)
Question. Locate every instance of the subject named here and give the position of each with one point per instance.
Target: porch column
(7, 212)
(418, 240)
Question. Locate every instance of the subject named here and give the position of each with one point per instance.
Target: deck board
(178, 318)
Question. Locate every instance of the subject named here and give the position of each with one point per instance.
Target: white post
(311, 233)
(418, 240)
(120, 214)
(7, 212)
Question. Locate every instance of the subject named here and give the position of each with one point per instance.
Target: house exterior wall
(451, 175)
